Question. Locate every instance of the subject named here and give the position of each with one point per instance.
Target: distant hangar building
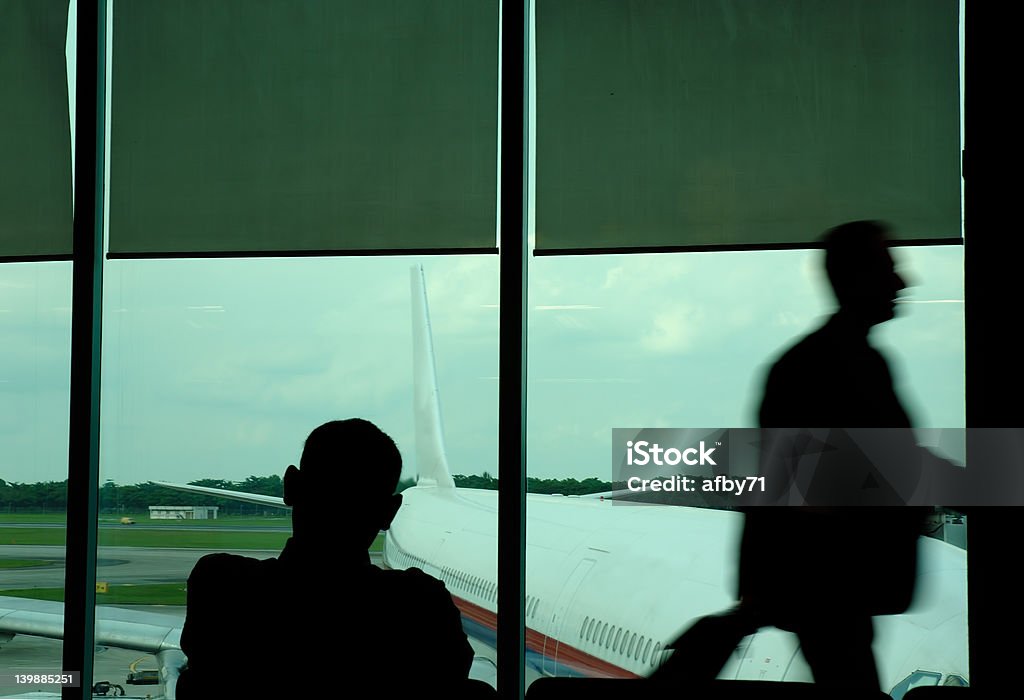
(183, 512)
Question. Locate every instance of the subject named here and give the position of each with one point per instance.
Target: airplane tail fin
(431, 461)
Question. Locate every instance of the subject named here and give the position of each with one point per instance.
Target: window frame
(90, 115)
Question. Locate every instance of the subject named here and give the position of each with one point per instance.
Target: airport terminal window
(215, 371)
(614, 341)
(35, 327)
(35, 371)
(683, 340)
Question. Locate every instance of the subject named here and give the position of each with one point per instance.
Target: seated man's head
(343, 491)
(861, 270)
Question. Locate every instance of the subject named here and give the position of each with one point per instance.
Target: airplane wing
(257, 498)
(151, 633)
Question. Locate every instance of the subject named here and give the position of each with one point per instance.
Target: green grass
(151, 538)
(23, 563)
(33, 518)
(222, 521)
(52, 535)
(178, 539)
(283, 519)
(192, 539)
(118, 594)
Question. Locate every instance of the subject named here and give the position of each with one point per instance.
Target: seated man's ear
(292, 485)
(390, 510)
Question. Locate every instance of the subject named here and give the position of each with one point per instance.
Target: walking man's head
(861, 270)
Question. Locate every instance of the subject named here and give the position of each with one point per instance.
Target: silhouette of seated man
(320, 616)
(823, 572)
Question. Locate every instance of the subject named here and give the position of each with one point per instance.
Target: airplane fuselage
(609, 584)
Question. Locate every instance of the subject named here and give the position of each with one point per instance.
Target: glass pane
(35, 325)
(35, 387)
(685, 340)
(215, 372)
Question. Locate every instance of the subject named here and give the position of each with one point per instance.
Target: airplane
(609, 585)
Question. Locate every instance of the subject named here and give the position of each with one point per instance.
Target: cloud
(673, 330)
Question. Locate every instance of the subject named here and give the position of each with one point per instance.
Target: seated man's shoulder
(431, 613)
(222, 561)
(414, 574)
(415, 579)
(431, 602)
(225, 568)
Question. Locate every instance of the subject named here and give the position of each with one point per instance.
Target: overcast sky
(219, 368)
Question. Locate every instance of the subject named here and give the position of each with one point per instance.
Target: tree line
(565, 487)
(51, 496)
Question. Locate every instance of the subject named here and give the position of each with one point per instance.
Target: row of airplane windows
(622, 641)
(399, 558)
(472, 585)
(454, 578)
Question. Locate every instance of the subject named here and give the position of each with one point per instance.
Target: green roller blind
(744, 122)
(35, 130)
(314, 125)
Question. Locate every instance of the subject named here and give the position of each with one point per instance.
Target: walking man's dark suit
(823, 572)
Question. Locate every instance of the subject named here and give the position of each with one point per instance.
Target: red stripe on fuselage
(580, 661)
